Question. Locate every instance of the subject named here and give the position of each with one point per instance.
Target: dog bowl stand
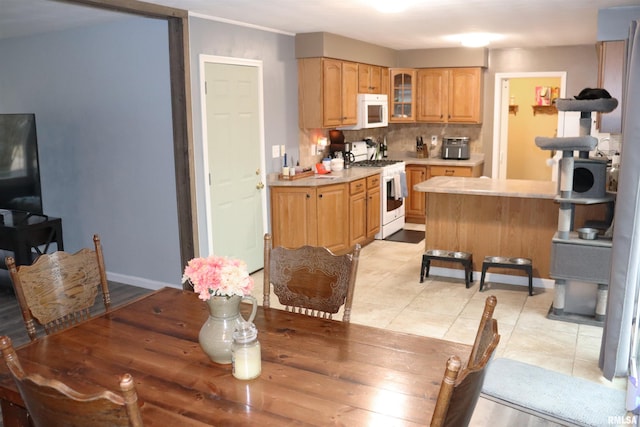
(503, 262)
(464, 258)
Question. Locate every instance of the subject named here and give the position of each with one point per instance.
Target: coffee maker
(340, 149)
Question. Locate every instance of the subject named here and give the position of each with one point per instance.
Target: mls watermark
(621, 420)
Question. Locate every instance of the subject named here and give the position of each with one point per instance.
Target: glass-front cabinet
(402, 108)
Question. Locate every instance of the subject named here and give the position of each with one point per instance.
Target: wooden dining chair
(51, 403)
(58, 290)
(461, 387)
(310, 280)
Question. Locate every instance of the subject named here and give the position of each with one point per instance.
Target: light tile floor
(389, 295)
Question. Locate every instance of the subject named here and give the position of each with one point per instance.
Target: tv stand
(25, 233)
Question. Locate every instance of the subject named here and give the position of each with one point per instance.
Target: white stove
(393, 188)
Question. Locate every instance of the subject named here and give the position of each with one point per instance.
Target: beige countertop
(333, 177)
(411, 158)
(489, 187)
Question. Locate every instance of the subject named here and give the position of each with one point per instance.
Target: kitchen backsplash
(400, 137)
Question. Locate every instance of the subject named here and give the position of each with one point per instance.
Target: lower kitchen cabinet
(374, 213)
(364, 210)
(315, 216)
(415, 203)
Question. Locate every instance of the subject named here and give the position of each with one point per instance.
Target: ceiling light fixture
(474, 39)
(391, 6)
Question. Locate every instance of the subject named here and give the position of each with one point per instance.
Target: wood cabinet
(314, 216)
(327, 93)
(611, 66)
(402, 86)
(449, 95)
(415, 203)
(373, 206)
(364, 210)
(371, 78)
(358, 211)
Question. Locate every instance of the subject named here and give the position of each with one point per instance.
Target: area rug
(552, 395)
(406, 236)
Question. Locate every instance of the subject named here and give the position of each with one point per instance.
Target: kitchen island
(335, 210)
(489, 217)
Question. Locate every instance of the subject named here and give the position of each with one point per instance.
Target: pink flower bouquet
(218, 276)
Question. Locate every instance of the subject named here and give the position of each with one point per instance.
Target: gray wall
(579, 62)
(103, 116)
(280, 74)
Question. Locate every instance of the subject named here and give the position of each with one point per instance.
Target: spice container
(246, 357)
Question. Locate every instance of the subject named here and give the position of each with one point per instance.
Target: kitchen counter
(334, 177)
(411, 158)
(489, 187)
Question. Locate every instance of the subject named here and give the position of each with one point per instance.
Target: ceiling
(423, 25)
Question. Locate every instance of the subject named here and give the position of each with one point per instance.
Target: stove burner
(376, 163)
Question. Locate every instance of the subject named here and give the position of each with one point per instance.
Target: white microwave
(372, 111)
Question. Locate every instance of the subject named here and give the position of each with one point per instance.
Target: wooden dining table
(314, 371)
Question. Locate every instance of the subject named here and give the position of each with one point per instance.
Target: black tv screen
(19, 167)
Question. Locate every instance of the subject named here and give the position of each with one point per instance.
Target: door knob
(258, 171)
(260, 186)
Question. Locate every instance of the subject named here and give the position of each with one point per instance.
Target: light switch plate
(275, 151)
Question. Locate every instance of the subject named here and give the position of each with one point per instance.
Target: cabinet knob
(320, 196)
(308, 196)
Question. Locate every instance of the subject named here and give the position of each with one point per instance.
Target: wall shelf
(513, 109)
(544, 109)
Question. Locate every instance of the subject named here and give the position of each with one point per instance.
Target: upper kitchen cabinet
(611, 61)
(327, 93)
(373, 79)
(402, 96)
(449, 95)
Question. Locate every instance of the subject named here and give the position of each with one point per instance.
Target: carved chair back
(51, 403)
(58, 290)
(310, 280)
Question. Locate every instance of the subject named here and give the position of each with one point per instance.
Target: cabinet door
(332, 92)
(416, 201)
(373, 212)
(432, 97)
(332, 203)
(293, 216)
(358, 218)
(375, 80)
(369, 78)
(465, 88)
(349, 94)
(402, 104)
(384, 80)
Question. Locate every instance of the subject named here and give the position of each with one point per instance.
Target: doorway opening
(501, 142)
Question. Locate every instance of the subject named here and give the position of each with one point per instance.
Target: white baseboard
(140, 282)
(493, 277)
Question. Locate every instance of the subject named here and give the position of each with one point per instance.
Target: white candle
(247, 361)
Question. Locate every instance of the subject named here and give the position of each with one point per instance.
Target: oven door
(392, 201)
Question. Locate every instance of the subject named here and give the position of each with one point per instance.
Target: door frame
(501, 117)
(214, 59)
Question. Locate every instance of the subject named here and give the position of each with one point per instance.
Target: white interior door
(234, 159)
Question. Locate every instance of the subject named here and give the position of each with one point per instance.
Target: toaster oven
(456, 148)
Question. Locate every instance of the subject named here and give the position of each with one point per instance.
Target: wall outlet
(314, 150)
(434, 139)
(275, 151)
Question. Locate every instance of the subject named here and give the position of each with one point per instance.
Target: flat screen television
(19, 166)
